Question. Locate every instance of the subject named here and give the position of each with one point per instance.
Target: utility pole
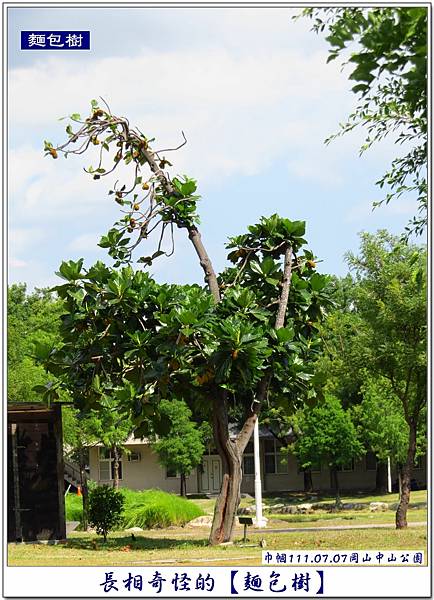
(261, 521)
(389, 476)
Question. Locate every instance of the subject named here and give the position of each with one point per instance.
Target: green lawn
(417, 498)
(176, 546)
(188, 546)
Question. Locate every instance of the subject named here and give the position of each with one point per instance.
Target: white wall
(144, 474)
(148, 473)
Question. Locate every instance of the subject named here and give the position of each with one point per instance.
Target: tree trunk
(84, 491)
(115, 451)
(183, 481)
(334, 477)
(381, 477)
(307, 480)
(406, 473)
(229, 497)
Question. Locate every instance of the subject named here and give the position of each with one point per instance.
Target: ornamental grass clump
(151, 509)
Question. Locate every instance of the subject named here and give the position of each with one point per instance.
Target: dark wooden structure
(36, 505)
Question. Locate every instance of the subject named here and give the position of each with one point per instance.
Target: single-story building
(140, 469)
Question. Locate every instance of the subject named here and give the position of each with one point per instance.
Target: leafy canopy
(327, 434)
(182, 447)
(33, 324)
(128, 338)
(386, 50)
(390, 297)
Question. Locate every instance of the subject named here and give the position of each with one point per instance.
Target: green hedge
(148, 509)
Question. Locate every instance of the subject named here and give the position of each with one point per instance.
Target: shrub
(105, 509)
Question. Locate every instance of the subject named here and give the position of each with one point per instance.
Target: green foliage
(176, 342)
(381, 421)
(182, 447)
(148, 509)
(152, 509)
(105, 509)
(328, 434)
(33, 327)
(105, 425)
(390, 297)
(73, 507)
(387, 50)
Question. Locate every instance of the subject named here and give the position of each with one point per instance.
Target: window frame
(110, 461)
(370, 470)
(345, 469)
(249, 455)
(276, 453)
(176, 476)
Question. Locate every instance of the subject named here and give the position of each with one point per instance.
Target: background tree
(382, 426)
(327, 434)
(390, 297)
(387, 51)
(82, 431)
(181, 448)
(249, 338)
(110, 429)
(33, 319)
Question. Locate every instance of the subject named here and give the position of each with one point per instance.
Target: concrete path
(71, 525)
(337, 527)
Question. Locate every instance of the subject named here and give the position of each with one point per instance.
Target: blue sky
(252, 92)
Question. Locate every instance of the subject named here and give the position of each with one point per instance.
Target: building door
(211, 474)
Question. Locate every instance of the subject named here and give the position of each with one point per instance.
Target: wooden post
(16, 473)
(58, 435)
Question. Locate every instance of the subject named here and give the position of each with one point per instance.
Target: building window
(370, 461)
(134, 457)
(249, 460)
(348, 467)
(170, 473)
(106, 464)
(275, 460)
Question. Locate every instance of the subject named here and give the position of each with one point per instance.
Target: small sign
(55, 40)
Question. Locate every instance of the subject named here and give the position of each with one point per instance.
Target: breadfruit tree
(245, 340)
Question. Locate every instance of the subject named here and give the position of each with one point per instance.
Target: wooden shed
(36, 505)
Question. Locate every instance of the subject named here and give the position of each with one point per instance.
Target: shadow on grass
(125, 542)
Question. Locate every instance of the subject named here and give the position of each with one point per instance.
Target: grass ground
(178, 545)
(174, 546)
(418, 499)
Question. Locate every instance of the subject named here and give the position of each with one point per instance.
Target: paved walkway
(338, 527)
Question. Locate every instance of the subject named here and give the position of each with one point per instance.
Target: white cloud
(16, 263)
(250, 88)
(241, 113)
